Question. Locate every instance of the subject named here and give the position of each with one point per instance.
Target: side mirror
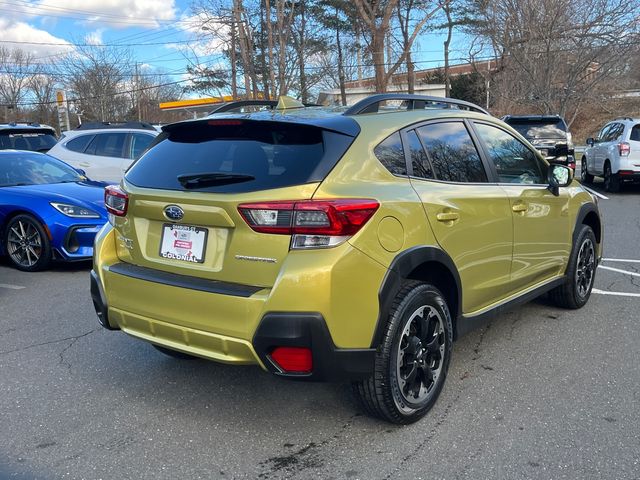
(81, 172)
(590, 141)
(559, 176)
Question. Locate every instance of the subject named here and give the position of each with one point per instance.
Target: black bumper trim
(100, 301)
(309, 330)
(183, 281)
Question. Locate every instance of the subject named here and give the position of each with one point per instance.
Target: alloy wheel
(24, 243)
(583, 171)
(420, 357)
(585, 269)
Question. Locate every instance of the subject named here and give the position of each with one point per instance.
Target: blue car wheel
(27, 244)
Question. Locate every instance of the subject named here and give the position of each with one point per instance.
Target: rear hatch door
(185, 191)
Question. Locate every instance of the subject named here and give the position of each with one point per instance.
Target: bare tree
(16, 71)
(553, 54)
(96, 77)
(377, 17)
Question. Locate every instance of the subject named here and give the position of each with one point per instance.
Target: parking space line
(621, 260)
(633, 274)
(11, 287)
(597, 194)
(617, 294)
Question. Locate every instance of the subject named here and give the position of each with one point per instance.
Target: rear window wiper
(203, 180)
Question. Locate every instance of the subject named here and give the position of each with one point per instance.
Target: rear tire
(174, 353)
(27, 244)
(611, 180)
(581, 272)
(585, 176)
(412, 360)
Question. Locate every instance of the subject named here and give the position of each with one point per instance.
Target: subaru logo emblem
(173, 212)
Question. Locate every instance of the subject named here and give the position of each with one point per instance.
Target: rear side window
(139, 143)
(419, 160)
(78, 144)
(453, 155)
(107, 145)
(275, 154)
(635, 133)
(391, 154)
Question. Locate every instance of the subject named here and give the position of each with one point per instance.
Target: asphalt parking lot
(539, 393)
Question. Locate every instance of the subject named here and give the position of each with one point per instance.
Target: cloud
(24, 32)
(117, 14)
(210, 36)
(94, 38)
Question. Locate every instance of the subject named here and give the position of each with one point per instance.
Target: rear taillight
(293, 359)
(624, 148)
(116, 200)
(313, 223)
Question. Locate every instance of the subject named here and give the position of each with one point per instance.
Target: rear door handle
(520, 207)
(447, 216)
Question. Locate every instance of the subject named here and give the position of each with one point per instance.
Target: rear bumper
(324, 310)
(276, 329)
(629, 175)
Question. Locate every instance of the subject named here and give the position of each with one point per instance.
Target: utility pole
(137, 94)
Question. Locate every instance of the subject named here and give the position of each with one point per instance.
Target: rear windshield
(531, 128)
(27, 140)
(275, 154)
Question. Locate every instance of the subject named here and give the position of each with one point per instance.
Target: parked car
(104, 150)
(549, 134)
(48, 210)
(614, 154)
(340, 246)
(26, 136)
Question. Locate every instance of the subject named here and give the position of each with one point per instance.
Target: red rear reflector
(293, 359)
(224, 122)
(116, 200)
(626, 172)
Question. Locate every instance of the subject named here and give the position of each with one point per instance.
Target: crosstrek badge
(185, 243)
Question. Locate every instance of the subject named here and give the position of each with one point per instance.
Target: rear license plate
(183, 242)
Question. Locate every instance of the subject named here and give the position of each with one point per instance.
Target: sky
(157, 32)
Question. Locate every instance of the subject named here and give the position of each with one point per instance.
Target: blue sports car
(48, 210)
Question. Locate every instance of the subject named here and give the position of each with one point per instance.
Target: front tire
(585, 176)
(27, 244)
(412, 361)
(581, 272)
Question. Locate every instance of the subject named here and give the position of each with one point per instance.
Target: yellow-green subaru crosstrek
(340, 245)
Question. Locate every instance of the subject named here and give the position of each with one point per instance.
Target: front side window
(107, 145)
(514, 161)
(602, 136)
(452, 153)
(391, 154)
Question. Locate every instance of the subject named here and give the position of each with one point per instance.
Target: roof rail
(96, 125)
(414, 102)
(236, 105)
(623, 118)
